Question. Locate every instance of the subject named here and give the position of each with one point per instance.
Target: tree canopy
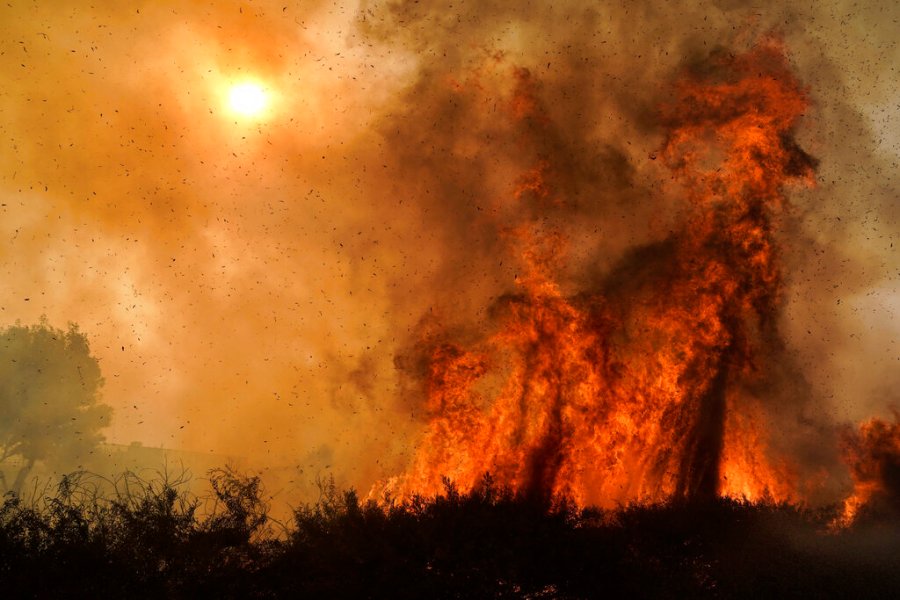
(50, 408)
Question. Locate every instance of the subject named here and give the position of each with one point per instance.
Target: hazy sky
(246, 282)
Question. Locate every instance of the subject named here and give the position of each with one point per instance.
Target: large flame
(636, 390)
(873, 454)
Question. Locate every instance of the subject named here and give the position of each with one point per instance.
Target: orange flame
(633, 392)
(873, 454)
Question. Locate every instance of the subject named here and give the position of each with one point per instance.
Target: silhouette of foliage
(136, 537)
(49, 399)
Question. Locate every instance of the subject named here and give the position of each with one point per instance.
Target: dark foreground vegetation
(138, 538)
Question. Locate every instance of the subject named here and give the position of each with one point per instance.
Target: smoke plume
(259, 288)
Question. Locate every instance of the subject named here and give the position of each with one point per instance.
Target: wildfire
(873, 453)
(637, 392)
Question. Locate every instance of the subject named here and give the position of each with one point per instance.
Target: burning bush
(639, 388)
(873, 455)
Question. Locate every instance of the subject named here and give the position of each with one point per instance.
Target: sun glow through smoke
(248, 99)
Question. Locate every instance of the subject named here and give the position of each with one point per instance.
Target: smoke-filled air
(618, 252)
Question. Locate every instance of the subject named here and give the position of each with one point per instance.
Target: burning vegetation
(641, 428)
(646, 386)
(873, 454)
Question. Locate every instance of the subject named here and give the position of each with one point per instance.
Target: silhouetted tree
(50, 407)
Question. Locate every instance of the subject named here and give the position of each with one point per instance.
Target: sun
(248, 99)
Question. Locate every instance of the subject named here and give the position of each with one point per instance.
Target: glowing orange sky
(246, 284)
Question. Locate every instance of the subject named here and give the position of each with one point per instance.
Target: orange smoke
(635, 390)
